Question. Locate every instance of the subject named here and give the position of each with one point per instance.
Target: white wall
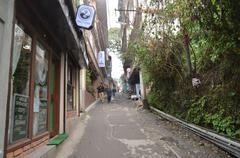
(6, 24)
(143, 88)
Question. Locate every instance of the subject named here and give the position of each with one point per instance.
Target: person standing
(100, 89)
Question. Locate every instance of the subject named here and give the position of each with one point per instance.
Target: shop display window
(21, 64)
(70, 89)
(40, 103)
(29, 87)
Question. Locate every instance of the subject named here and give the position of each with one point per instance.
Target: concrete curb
(92, 105)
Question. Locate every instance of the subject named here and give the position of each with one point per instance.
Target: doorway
(55, 98)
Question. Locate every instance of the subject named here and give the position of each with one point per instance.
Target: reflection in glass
(21, 61)
(70, 88)
(40, 91)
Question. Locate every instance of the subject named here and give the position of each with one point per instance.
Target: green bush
(206, 45)
(221, 123)
(196, 112)
(153, 99)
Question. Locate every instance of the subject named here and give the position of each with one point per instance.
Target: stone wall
(89, 99)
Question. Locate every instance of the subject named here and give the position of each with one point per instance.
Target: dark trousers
(109, 98)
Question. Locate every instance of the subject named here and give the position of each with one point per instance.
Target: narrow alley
(120, 130)
(173, 66)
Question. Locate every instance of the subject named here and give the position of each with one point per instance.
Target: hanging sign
(85, 16)
(101, 59)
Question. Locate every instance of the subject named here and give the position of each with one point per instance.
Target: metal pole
(128, 10)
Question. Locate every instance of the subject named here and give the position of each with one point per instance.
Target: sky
(112, 15)
(117, 68)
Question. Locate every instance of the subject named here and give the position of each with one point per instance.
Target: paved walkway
(119, 130)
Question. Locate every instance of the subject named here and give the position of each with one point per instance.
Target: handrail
(230, 146)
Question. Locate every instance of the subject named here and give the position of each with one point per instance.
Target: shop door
(54, 105)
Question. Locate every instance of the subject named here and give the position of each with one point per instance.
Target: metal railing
(230, 146)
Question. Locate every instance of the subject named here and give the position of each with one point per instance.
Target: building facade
(44, 60)
(6, 25)
(96, 45)
(43, 55)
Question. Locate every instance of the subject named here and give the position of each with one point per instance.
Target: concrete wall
(77, 90)
(89, 99)
(82, 88)
(6, 24)
(143, 88)
(62, 110)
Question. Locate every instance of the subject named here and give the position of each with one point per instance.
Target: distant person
(100, 89)
(114, 91)
(109, 94)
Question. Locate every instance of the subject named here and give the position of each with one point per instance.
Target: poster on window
(20, 116)
(101, 59)
(42, 116)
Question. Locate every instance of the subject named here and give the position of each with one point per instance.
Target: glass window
(21, 63)
(70, 88)
(40, 91)
(69, 97)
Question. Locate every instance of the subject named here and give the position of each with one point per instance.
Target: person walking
(100, 89)
(109, 94)
(114, 91)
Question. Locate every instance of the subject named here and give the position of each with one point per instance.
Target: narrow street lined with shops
(120, 130)
(173, 64)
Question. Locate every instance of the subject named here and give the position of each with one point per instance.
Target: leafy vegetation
(114, 40)
(189, 39)
(89, 81)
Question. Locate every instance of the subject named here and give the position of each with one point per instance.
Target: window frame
(71, 83)
(30, 30)
(48, 50)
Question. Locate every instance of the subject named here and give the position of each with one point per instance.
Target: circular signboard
(85, 16)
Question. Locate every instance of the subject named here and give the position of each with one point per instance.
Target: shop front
(6, 18)
(44, 75)
(34, 93)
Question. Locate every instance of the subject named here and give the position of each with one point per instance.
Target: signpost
(85, 16)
